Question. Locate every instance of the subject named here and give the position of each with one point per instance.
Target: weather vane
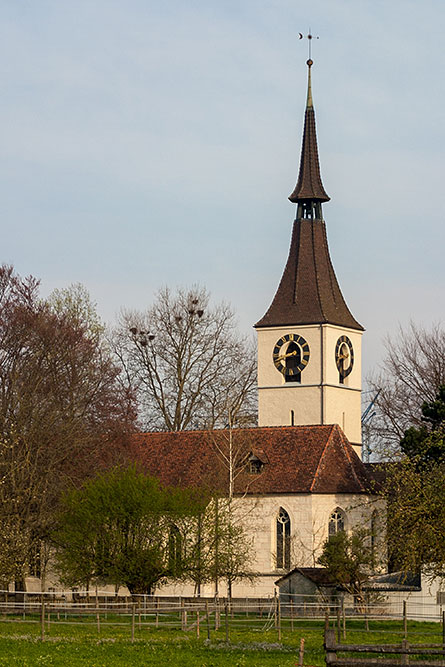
(309, 38)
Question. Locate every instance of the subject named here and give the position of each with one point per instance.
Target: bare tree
(186, 362)
(412, 372)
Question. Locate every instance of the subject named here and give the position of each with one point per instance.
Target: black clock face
(291, 354)
(344, 356)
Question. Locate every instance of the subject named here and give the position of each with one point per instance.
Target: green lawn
(251, 643)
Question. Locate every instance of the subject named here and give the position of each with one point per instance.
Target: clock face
(291, 354)
(344, 356)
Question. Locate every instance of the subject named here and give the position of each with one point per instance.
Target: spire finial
(309, 38)
(309, 103)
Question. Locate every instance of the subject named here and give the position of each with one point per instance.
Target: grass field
(251, 643)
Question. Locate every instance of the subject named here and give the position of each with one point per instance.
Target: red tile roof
(300, 459)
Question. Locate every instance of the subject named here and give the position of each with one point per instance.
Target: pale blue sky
(149, 143)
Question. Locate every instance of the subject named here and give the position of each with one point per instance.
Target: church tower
(309, 344)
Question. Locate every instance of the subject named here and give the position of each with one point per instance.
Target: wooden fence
(399, 653)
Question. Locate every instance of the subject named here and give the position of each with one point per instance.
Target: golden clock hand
(284, 356)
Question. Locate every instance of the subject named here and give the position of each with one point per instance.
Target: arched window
(337, 521)
(293, 362)
(283, 540)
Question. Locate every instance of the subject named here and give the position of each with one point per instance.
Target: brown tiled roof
(300, 459)
(318, 575)
(309, 292)
(309, 185)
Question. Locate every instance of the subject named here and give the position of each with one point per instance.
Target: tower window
(283, 540)
(292, 418)
(293, 361)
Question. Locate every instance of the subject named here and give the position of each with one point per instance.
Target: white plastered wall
(320, 398)
(309, 515)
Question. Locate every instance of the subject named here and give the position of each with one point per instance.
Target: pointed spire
(309, 292)
(309, 186)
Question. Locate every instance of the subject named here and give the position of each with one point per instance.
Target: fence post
(338, 623)
(326, 621)
(275, 614)
(343, 614)
(443, 628)
(183, 618)
(301, 653)
(226, 612)
(291, 615)
(133, 617)
(217, 614)
(405, 621)
(329, 645)
(208, 620)
(279, 618)
(157, 612)
(42, 619)
(197, 623)
(405, 656)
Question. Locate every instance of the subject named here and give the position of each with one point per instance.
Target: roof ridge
(224, 430)
(321, 458)
(317, 274)
(348, 456)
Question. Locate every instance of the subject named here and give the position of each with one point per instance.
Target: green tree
(350, 559)
(219, 548)
(415, 495)
(426, 443)
(75, 302)
(124, 528)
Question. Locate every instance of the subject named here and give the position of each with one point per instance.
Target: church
(302, 478)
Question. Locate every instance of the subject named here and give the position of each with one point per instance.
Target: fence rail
(404, 651)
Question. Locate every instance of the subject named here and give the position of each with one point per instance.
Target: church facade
(303, 477)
